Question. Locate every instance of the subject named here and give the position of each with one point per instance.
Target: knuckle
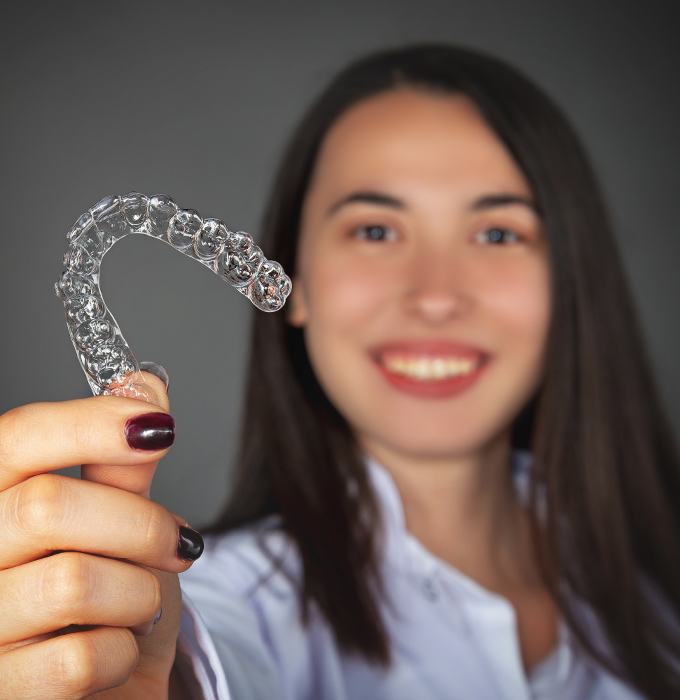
(129, 649)
(153, 527)
(122, 654)
(87, 663)
(66, 585)
(40, 503)
(77, 665)
(153, 588)
(12, 432)
(84, 433)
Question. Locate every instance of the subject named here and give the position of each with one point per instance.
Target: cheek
(344, 302)
(345, 294)
(520, 299)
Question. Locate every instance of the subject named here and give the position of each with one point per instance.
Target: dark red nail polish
(190, 544)
(150, 431)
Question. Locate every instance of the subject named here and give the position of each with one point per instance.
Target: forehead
(409, 137)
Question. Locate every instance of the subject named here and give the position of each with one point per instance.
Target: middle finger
(50, 512)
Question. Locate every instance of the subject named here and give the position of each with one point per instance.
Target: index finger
(45, 436)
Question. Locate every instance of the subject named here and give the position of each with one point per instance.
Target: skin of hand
(86, 564)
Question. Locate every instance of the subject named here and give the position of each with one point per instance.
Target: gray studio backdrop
(196, 99)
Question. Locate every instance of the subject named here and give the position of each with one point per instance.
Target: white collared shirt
(451, 639)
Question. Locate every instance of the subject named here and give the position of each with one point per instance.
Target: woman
(434, 204)
(444, 489)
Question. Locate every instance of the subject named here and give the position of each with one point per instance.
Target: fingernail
(159, 614)
(190, 544)
(150, 431)
(158, 370)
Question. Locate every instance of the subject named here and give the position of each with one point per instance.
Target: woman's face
(422, 279)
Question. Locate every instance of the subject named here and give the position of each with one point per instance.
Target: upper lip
(430, 348)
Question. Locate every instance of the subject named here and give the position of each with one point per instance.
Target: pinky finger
(70, 666)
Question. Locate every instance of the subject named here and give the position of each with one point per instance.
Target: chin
(424, 444)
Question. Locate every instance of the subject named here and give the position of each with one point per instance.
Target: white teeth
(430, 368)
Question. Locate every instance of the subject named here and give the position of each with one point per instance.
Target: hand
(86, 564)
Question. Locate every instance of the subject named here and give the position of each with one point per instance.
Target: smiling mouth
(429, 368)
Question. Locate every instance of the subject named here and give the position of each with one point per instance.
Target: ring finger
(73, 665)
(71, 588)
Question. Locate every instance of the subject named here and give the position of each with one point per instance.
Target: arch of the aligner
(102, 351)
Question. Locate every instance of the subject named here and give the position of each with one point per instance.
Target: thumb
(136, 478)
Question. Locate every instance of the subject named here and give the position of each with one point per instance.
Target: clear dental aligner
(104, 355)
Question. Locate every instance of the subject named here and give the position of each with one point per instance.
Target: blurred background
(196, 100)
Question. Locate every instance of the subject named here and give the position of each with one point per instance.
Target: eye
(496, 235)
(374, 232)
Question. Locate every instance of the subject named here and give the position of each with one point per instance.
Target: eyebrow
(489, 201)
(368, 197)
(502, 199)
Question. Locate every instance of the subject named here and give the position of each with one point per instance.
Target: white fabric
(451, 638)
(197, 658)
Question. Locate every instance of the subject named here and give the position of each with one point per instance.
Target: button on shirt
(451, 639)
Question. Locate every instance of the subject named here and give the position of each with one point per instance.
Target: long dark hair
(604, 455)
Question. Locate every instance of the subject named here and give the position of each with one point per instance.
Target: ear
(296, 306)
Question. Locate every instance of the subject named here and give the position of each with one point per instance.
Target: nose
(438, 287)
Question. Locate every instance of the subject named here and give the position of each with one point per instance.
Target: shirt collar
(405, 553)
(390, 502)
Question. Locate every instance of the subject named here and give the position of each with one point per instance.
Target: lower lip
(434, 388)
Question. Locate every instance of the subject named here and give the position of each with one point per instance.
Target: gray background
(196, 99)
